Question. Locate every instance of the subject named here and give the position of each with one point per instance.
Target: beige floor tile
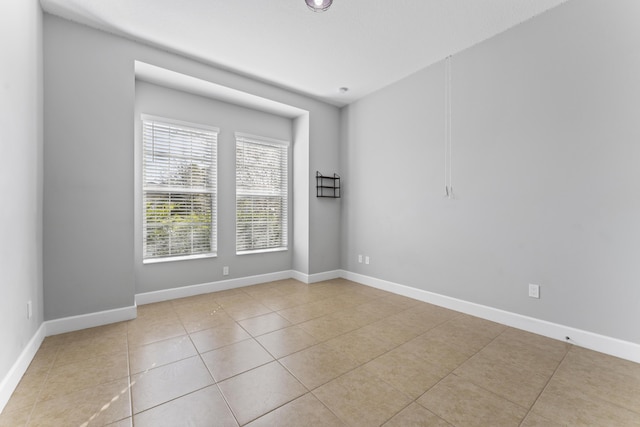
(168, 382)
(534, 420)
(528, 351)
(406, 372)
(435, 352)
(538, 345)
(127, 422)
(200, 305)
(285, 301)
(43, 360)
(213, 338)
(256, 392)
(145, 332)
(514, 383)
(259, 293)
(69, 337)
(365, 290)
(415, 415)
(607, 377)
(381, 308)
(360, 345)
(202, 408)
(317, 365)
(601, 361)
(401, 301)
(27, 391)
(424, 316)
(464, 339)
(302, 313)
(91, 347)
(353, 298)
(235, 359)
(160, 353)
(463, 403)
(66, 379)
(264, 324)
(361, 315)
(15, 418)
(247, 310)
(334, 303)
(283, 342)
(202, 302)
(329, 326)
(361, 399)
(237, 298)
(156, 312)
(569, 404)
(226, 293)
(393, 331)
(482, 327)
(304, 411)
(95, 406)
(199, 320)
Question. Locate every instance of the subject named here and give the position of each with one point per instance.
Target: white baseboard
(91, 320)
(612, 346)
(13, 377)
(316, 277)
(205, 288)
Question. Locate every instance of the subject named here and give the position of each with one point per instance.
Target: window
(179, 189)
(261, 194)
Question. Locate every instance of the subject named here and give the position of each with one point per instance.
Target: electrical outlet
(225, 270)
(534, 291)
(360, 259)
(366, 260)
(29, 310)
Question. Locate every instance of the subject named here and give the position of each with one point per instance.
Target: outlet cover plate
(534, 291)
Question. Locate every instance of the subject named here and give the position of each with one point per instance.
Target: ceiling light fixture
(319, 5)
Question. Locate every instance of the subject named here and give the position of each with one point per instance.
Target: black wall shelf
(328, 186)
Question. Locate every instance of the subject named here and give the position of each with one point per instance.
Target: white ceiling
(360, 44)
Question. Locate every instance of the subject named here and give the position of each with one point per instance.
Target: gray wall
(20, 176)
(89, 166)
(164, 102)
(546, 173)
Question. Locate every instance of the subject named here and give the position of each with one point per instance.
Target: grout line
(129, 384)
(44, 382)
(545, 386)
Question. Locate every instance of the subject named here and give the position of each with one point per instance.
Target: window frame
(210, 190)
(284, 146)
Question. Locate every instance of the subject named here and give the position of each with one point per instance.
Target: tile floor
(329, 354)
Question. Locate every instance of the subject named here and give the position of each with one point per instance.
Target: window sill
(178, 258)
(261, 251)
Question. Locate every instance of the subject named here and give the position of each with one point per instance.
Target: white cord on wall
(448, 145)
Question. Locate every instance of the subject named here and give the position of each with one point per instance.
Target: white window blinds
(179, 188)
(261, 193)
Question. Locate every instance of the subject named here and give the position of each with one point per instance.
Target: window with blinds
(179, 189)
(261, 193)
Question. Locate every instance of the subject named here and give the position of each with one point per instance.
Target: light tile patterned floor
(328, 354)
